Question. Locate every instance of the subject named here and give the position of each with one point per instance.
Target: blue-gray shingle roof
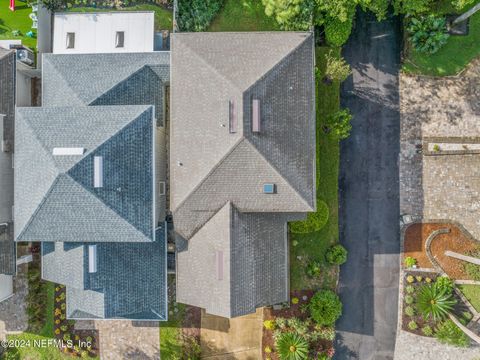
(54, 195)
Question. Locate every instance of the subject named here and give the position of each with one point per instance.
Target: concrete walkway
(227, 339)
(369, 193)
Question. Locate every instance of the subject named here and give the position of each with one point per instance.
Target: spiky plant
(292, 346)
(435, 301)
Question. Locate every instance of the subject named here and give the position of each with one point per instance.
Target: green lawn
(16, 20)
(170, 345)
(243, 15)
(313, 246)
(40, 352)
(163, 17)
(450, 59)
(472, 293)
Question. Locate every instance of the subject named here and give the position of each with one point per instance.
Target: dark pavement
(369, 193)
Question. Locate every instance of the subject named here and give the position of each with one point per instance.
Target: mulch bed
(456, 240)
(78, 343)
(192, 322)
(294, 310)
(459, 310)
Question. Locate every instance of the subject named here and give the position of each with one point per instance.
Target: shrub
(267, 349)
(327, 333)
(196, 15)
(427, 330)
(295, 300)
(336, 255)
(314, 222)
(53, 5)
(434, 301)
(410, 279)
(337, 69)
(280, 323)
(409, 289)
(408, 299)
(314, 268)
(412, 325)
(269, 324)
(325, 307)
(292, 346)
(449, 333)
(428, 280)
(419, 278)
(428, 33)
(409, 262)
(409, 311)
(339, 125)
(444, 282)
(290, 14)
(337, 32)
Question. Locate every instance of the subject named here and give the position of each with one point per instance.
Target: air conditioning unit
(25, 56)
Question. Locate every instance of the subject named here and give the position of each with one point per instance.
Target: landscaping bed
(414, 318)
(456, 240)
(80, 343)
(296, 318)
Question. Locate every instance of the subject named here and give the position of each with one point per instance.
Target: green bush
(428, 33)
(325, 307)
(337, 69)
(427, 330)
(412, 325)
(314, 269)
(409, 289)
(339, 125)
(291, 346)
(290, 14)
(408, 299)
(409, 262)
(409, 311)
(327, 333)
(315, 220)
(435, 301)
(449, 333)
(196, 15)
(336, 255)
(337, 32)
(444, 282)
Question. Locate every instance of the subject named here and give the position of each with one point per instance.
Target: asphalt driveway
(369, 193)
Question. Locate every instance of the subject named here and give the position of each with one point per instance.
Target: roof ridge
(277, 172)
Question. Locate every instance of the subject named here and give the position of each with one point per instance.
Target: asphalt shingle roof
(54, 195)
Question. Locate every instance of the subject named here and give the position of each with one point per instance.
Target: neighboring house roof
(55, 199)
(7, 251)
(7, 91)
(106, 79)
(241, 258)
(232, 252)
(130, 281)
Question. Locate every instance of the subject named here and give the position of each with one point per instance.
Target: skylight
(269, 188)
(256, 115)
(98, 171)
(92, 258)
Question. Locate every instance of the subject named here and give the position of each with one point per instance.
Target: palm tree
(435, 301)
(292, 346)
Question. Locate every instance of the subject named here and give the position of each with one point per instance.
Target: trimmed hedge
(336, 255)
(314, 222)
(325, 307)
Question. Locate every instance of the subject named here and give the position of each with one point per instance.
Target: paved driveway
(369, 193)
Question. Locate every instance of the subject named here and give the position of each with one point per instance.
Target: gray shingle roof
(7, 91)
(130, 281)
(255, 263)
(83, 78)
(7, 251)
(217, 176)
(54, 195)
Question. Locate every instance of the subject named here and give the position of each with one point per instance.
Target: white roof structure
(103, 32)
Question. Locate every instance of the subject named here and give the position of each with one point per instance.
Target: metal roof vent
(232, 117)
(92, 258)
(67, 151)
(98, 171)
(255, 115)
(269, 188)
(219, 265)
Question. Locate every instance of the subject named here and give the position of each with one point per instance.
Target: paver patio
(239, 338)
